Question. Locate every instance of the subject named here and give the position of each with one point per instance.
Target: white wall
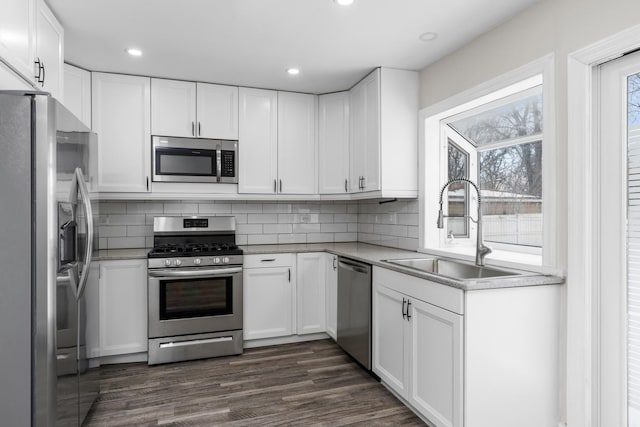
(551, 26)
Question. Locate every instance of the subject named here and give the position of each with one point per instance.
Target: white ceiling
(252, 42)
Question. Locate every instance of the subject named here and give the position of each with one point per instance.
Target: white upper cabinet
(333, 143)
(17, 34)
(49, 52)
(217, 111)
(173, 108)
(188, 109)
(296, 143)
(121, 117)
(384, 133)
(258, 141)
(77, 92)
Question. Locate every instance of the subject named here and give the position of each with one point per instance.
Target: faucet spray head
(440, 218)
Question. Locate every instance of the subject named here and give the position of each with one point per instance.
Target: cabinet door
(217, 111)
(77, 92)
(390, 341)
(123, 307)
(310, 293)
(371, 146)
(173, 108)
(357, 105)
(121, 118)
(436, 363)
(296, 143)
(331, 295)
(268, 302)
(333, 143)
(17, 41)
(258, 141)
(49, 50)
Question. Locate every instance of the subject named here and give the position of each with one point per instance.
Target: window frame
(433, 171)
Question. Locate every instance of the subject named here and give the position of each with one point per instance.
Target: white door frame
(584, 283)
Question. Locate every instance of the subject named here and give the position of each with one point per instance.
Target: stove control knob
(167, 262)
(178, 262)
(216, 260)
(197, 261)
(225, 260)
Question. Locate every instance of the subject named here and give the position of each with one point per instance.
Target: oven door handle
(170, 274)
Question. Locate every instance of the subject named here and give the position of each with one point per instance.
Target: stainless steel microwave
(194, 160)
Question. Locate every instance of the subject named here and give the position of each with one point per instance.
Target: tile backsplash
(389, 224)
(129, 224)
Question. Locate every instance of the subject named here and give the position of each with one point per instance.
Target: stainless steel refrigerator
(47, 237)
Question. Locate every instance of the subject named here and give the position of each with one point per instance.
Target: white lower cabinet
(331, 295)
(269, 295)
(310, 293)
(417, 352)
(123, 307)
(476, 358)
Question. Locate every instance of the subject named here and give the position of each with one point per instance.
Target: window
(499, 135)
(507, 138)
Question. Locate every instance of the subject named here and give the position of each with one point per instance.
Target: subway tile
(286, 218)
(144, 208)
(249, 228)
(262, 239)
(214, 208)
(177, 208)
(241, 239)
(112, 231)
(352, 208)
(125, 242)
(345, 237)
(292, 238)
(306, 218)
(334, 228)
(319, 237)
(241, 218)
(390, 230)
(262, 218)
(306, 228)
(283, 208)
(408, 243)
(325, 218)
(345, 218)
(139, 230)
(306, 208)
(408, 219)
(113, 208)
(352, 227)
(365, 228)
(412, 231)
(123, 219)
(333, 208)
(102, 243)
(246, 208)
(277, 228)
(148, 241)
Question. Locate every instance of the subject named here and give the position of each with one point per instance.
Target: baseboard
(291, 339)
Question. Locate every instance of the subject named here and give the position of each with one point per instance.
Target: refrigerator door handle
(86, 203)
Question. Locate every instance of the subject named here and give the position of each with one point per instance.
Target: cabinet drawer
(269, 260)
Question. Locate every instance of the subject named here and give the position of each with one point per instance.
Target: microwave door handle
(88, 211)
(219, 162)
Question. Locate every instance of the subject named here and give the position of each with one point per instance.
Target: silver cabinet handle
(404, 313)
(281, 186)
(193, 128)
(408, 305)
(345, 186)
(199, 129)
(268, 260)
(335, 265)
(275, 185)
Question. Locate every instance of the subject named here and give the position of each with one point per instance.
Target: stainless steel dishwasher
(354, 309)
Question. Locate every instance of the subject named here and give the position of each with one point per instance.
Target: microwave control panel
(228, 163)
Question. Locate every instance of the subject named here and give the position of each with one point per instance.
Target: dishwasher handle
(358, 268)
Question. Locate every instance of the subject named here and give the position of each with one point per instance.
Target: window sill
(497, 258)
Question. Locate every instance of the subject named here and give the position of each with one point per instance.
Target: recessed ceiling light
(343, 2)
(134, 52)
(293, 71)
(427, 37)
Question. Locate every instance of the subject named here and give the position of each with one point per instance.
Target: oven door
(194, 300)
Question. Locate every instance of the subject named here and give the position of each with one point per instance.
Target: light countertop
(371, 254)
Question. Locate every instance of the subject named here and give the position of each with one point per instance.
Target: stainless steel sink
(453, 269)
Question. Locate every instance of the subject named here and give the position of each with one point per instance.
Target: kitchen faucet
(481, 250)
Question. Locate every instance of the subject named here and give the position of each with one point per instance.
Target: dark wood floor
(294, 384)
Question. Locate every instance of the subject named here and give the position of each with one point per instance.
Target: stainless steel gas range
(195, 289)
